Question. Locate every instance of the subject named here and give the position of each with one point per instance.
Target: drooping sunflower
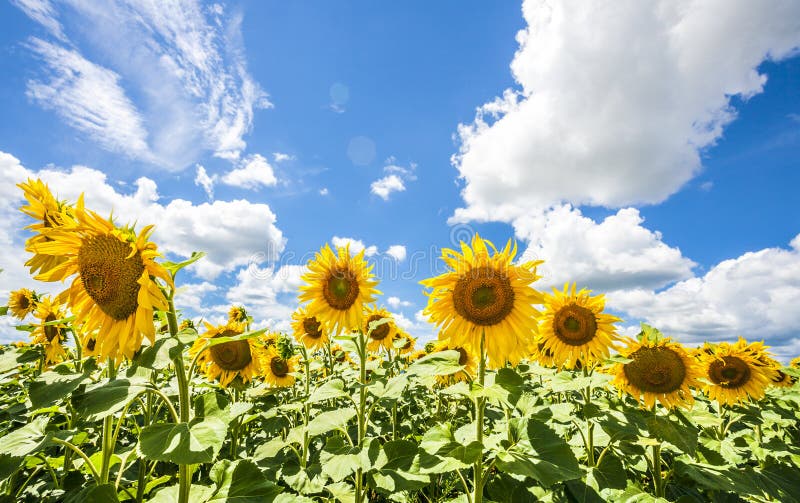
(337, 286)
(466, 358)
(279, 371)
(229, 360)
(22, 302)
(661, 370)
(733, 372)
(49, 213)
(308, 330)
(51, 337)
(485, 295)
(380, 336)
(114, 291)
(574, 327)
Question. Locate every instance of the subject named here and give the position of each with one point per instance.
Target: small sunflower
(114, 292)
(308, 330)
(88, 345)
(22, 302)
(778, 378)
(661, 370)
(403, 343)
(734, 372)
(381, 336)
(50, 214)
(485, 295)
(543, 356)
(574, 327)
(279, 371)
(795, 363)
(51, 337)
(337, 285)
(229, 360)
(237, 314)
(466, 358)
(416, 355)
(186, 324)
(340, 355)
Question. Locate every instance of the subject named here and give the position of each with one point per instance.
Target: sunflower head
(466, 358)
(340, 355)
(735, 372)
(186, 324)
(379, 328)
(22, 302)
(403, 343)
(795, 363)
(237, 314)
(279, 371)
(48, 213)
(337, 285)
(575, 329)
(240, 360)
(660, 370)
(485, 295)
(50, 332)
(308, 330)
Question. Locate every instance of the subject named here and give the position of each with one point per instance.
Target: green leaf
(197, 494)
(241, 481)
(391, 389)
(650, 334)
(539, 454)
(329, 390)
(27, 439)
(440, 452)
(609, 473)
(331, 420)
(677, 434)
(198, 441)
(342, 492)
(55, 384)
(339, 459)
(213, 404)
(174, 267)
(160, 355)
(719, 478)
(14, 357)
(104, 493)
(436, 364)
(107, 397)
(3, 310)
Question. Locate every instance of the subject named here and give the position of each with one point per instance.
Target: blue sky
(651, 154)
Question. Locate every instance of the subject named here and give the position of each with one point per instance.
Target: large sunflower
(308, 330)
(337, 285)
(49, 213)
(51, 337)
(382, 335)
(22, 302)
(486, 295)
(574, 327)
(113, 292)
(279, 371)
(734, 373)
(661, 370)
(229, 360)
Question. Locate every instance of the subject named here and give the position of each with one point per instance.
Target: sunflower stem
(362, 405)
(184, 401)
(658, 481)
(306, 406)
(589, 424)
(477, 470)
(108, 427)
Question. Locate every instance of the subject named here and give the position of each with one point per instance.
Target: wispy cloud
(182, 61)
(395, 179)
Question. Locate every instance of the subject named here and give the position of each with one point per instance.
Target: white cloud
(260, 289)
(755, 295)
(42, 12)
(419, 327)
(191, 296)
(203, 180)
(281, 157)
(356, 245)
(398, 252)
(324, 191)
(395, 302)
(614, 254)
(232, 233)
(89, 98)
(383, 187)
(184, 63)
(254, 172)
(616, 101)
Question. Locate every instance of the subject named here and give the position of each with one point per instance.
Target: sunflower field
(525, 396)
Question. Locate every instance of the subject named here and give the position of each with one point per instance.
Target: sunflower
(337, 287)
(466, 358)
(486, 296)
(543, 356)
(795, 363)
(237, 314)
(661, 370)
(50, 214)
(734, 372)
(51, 337)
(308, 330)
(22, 302)
(416, 355)
(380, 336)
(88, 345)
(340, 355)
(229, 360)
(114, 292)
(402, 342)
(279, 371)
(778, 378)
(574, 327)
(186, 324)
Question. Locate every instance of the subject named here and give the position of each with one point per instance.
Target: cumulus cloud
(262, 289)
(254, 172)
(418, 327)
(397, 252)
(383, 187)
(203, 180)
(356, 245)
(755, 295)
(232, 233)
(184, 63)
(281, 157)
(615, 101)
(616, 253)
(395, 302)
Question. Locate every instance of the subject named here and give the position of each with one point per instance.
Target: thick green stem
(184, 401)
(108, 431)
(362, 407)
(480, 402)
(306, 405)
(658, 481)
